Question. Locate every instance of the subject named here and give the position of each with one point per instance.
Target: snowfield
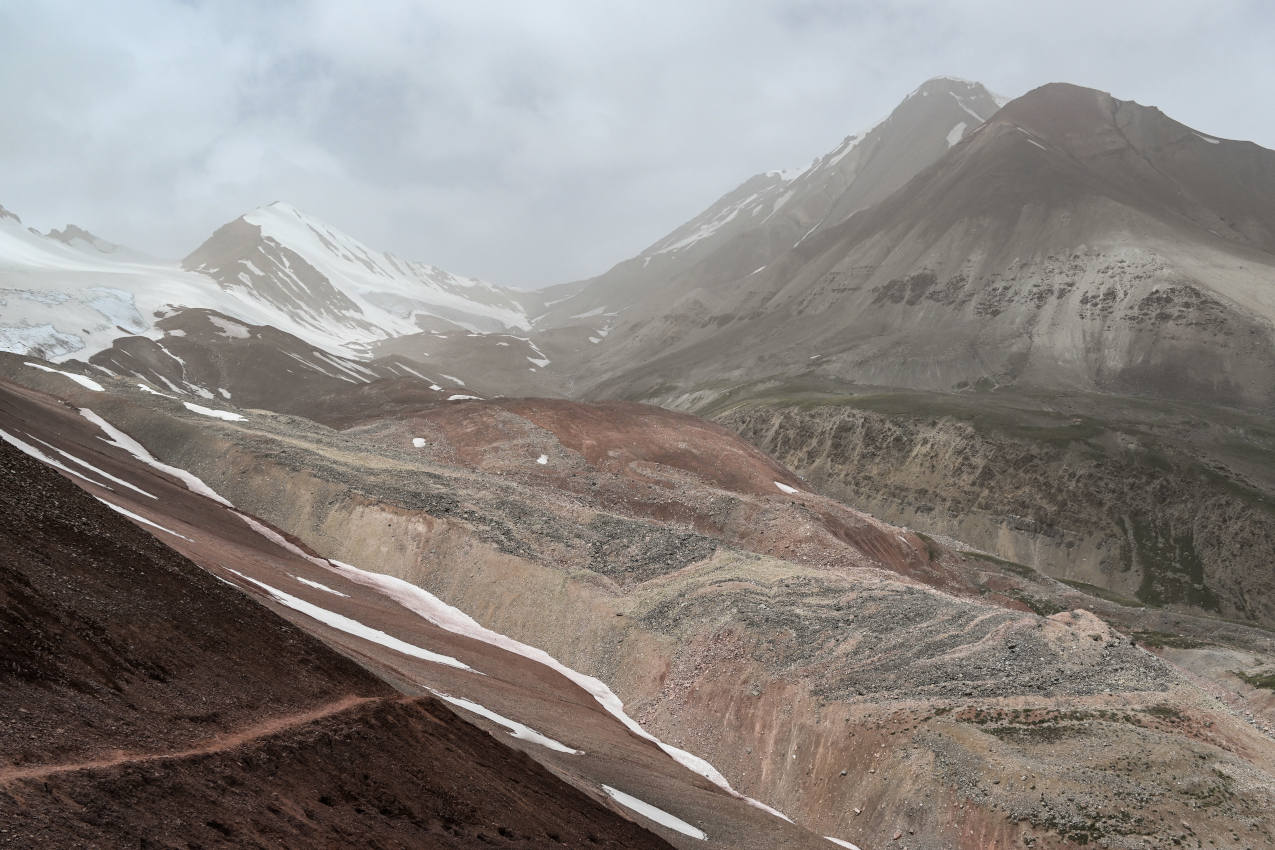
(61, 301)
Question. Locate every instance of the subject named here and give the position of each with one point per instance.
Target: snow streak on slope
(420, 602)
(31, 451)
(123, 441)
(658, 815)
(518, 730)
(342, 623)
(438, 612)
(87, 383)
(143, 520)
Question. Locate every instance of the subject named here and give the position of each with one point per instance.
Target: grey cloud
(532, 143)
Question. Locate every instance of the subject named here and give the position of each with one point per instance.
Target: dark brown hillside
(144, 703)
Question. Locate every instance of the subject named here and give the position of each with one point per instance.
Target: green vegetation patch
(1169, 639)
(1259, 680)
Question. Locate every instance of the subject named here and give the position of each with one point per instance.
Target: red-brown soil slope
(144, 703)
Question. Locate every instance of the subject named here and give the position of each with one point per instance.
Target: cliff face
(1106, 503)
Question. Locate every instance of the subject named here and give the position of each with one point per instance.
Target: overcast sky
(538, 141)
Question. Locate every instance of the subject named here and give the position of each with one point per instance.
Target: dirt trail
(220, 743)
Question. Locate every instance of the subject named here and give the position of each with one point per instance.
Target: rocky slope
(868, 681)
(1121, 499)
(570, 724)
(1072, 242)
(139, 709)
(766, 215)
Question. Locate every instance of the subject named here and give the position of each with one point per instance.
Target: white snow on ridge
(71, 303)
(319, 586)
(960, 101)
(518, 730)
(462, 397)
(431, 608)
(87, 383)
(342, 623)
(31, 451)
(152, 391)
(214, 414)
(91, 468)
(705, 229)
(123, 441)
(374, 278)
(652, 813)
(1209, 139)
(231, 328)
(279, 540)
(143, 520)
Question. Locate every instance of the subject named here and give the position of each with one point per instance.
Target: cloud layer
(534, 142)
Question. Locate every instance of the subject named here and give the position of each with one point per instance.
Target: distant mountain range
(305, 544)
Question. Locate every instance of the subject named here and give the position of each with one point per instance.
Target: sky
(541, 141)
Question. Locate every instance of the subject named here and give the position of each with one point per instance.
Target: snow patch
(147, 389)
(342, 623)
(954, 135)
(215, 414)
(123, 441)
(516, 729)
(30, 450)
(462, 397)
(960, 101)
(143, 520)
(650, 812)
(87, 383)
(319, 586)
(91, 468)
(230, 328)
(418, 442)
(841, 843)
(1209, 139)
(430, 607)
(542, 460)
(785, 488)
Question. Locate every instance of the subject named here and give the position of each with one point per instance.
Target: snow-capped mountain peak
(324, 277)
(69, 293)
